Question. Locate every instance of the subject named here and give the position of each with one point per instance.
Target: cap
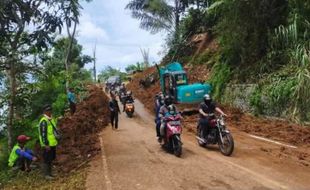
(22, 138)
(47, 107)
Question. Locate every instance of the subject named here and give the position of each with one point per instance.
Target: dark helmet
(207, 98)
(172, 110)
(168, 101)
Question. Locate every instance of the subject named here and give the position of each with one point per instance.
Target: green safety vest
(52, 141)
(13, 156)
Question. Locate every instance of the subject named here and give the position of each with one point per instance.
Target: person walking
(72, 101)
(114, 110)
(48, 136)
(21, 157)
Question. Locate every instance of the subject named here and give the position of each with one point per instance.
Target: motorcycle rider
(159, 101)
(162, 113)
(207, 111)
(127, 98)
(122, 93)
(122, 89)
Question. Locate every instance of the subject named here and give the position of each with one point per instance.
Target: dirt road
(132, 159)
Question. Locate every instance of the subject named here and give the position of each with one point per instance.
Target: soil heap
(80, 132)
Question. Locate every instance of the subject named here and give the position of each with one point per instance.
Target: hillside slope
(275, 129)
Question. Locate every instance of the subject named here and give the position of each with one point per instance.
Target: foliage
(291, 43)
(155, 15)
(206, 57)
(134, 68)
(45, 87)
(198, 21)
(243, 36)
(220, 75)
(51, 63)
(110, 71)
(256, 101)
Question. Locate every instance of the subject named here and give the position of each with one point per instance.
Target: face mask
(208, 102)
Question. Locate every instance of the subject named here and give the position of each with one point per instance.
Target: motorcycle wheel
(129, 114)
(177, 147)
(199, 134)
(227, 147)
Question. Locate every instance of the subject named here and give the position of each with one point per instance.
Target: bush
(203, 58)
(256, 101)
(60, 105)
(220, 76)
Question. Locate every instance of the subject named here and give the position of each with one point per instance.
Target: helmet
(172, 109)
(22, 138)
(129, 93)
(207, 98)
(168, 101)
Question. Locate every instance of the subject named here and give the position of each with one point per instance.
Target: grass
(34, 180)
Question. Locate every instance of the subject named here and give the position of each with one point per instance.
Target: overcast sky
(118, 35)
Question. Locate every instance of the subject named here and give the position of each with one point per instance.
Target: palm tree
(158, 15)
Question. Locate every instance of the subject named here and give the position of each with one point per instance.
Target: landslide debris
(80, 132)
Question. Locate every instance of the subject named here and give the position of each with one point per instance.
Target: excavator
(174, 83)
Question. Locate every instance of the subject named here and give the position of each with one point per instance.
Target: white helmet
(207, 97)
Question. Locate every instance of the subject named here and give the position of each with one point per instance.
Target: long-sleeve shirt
(113, 106)
(71, 97)
(28, 154)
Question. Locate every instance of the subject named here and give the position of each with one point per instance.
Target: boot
(47, 170)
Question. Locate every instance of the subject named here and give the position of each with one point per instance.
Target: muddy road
(132, 159)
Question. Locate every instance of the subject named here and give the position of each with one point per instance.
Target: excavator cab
(174, 82)
(171, 82)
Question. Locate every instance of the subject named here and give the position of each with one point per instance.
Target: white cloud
(89, 30)
(120, 36)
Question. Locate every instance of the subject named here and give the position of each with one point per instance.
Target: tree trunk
(12, 81)
(177, 15)
(177, 19)
(71, 36)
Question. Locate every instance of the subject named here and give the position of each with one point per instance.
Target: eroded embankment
(80, 131)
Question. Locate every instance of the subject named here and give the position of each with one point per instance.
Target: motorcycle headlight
(221, 121)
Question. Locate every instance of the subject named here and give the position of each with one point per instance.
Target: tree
(134, 67)
(158, 15)
(54, 63)
(71, 15)
(110, 71)
(26, 29)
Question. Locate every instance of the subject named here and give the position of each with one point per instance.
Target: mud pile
(145, 95)
(80, 132)
(270, 128)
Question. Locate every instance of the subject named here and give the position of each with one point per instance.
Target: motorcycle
(122, 97)
(129, 108)
(218, 134)
(172, 137)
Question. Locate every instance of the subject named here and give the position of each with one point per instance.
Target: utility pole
(94, 57)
